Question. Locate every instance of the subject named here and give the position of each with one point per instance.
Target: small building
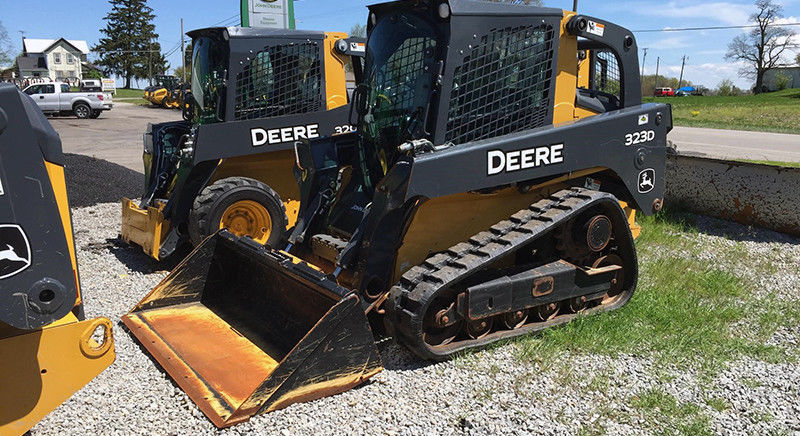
(55, 59)
(790, 76)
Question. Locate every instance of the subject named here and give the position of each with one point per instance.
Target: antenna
(574, 5)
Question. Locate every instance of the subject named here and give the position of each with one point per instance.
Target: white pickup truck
(56, 98)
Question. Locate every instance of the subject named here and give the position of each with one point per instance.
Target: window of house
(57, 58)
(59, 74)
(69, 58)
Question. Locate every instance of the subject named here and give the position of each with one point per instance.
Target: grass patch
(683, 312)
(673, 416)
(124, 95)
(768, 112)
(718, 404)
(773, 163)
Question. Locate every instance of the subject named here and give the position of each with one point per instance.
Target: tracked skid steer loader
(229, 165)
(48, 350)
(490, 191)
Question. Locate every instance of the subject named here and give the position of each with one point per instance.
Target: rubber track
(419, 285)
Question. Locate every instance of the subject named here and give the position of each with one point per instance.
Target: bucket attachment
(244, 329)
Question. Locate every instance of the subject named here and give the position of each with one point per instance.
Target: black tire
(214, 199)
(95, 113)
(81, 110)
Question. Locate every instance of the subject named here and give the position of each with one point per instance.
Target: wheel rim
(479, 328)
(434, 333)
(516, 319)
(81, 111)
(247, 218)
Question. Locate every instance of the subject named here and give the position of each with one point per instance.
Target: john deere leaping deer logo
(646, 180)
(15, 251)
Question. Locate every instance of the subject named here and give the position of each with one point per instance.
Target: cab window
(48, 89)
(64, 87)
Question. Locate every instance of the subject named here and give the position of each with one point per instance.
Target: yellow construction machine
(489, 191)
(48, 350)
(229, 165)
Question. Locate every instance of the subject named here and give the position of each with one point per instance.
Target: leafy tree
(782, 81)
(763, 47)
(359, 30)
(128, 50)
(179, 73)
(726, 88)
(6, 50)
(187, 55)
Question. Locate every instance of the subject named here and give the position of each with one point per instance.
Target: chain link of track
(410, 297)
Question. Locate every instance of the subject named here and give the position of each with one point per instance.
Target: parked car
(664, 92)
(91, 85)
(681, 93)
(56, 98)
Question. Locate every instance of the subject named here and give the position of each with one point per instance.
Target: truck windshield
(209, 60)
(399, 72)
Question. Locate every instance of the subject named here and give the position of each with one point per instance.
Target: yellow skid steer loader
(229, 165)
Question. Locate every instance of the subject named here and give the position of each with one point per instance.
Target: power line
(688, 29)
(236, 17)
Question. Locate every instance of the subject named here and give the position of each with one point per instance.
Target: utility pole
(644, 59)
(658, 63)
(150, 62)
(183, 55)
(683, 64)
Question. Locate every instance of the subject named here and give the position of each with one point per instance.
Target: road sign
(276, 14)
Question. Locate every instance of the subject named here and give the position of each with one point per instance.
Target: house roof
(32, 63)
(33, 45)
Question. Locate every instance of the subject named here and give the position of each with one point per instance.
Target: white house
(56, 59)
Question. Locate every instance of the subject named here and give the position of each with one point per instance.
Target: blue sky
(705, 49)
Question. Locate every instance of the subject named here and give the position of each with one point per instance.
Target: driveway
(735, 144)
(116, 136)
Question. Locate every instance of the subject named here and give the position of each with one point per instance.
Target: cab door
(45, 96)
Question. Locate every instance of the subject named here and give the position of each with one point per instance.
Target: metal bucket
(244, 329)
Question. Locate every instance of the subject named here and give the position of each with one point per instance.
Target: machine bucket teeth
(244, 329)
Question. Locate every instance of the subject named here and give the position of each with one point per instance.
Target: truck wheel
(82, 110)
(244, 206)
(95, 113)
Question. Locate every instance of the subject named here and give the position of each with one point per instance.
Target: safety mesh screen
(404, 68)
(503, 85)
(280, 80)
(606, 73)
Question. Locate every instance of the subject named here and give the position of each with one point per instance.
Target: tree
(359, 30)
(128, 48)
(179, 73)
(6, 50)
(763, 47)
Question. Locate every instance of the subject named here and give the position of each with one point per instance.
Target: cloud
(671, 43)
(727, 13)
(708, 74)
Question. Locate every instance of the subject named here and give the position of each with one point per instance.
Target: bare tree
(6, 50)
(358, 30)
(763, 47)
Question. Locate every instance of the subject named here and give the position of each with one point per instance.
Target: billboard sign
(275, 14)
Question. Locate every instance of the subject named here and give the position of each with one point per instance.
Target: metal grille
(606, 73)
(403, 70)
(503, 86)
(280, 80)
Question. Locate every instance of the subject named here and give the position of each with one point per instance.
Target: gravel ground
(489, 392)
